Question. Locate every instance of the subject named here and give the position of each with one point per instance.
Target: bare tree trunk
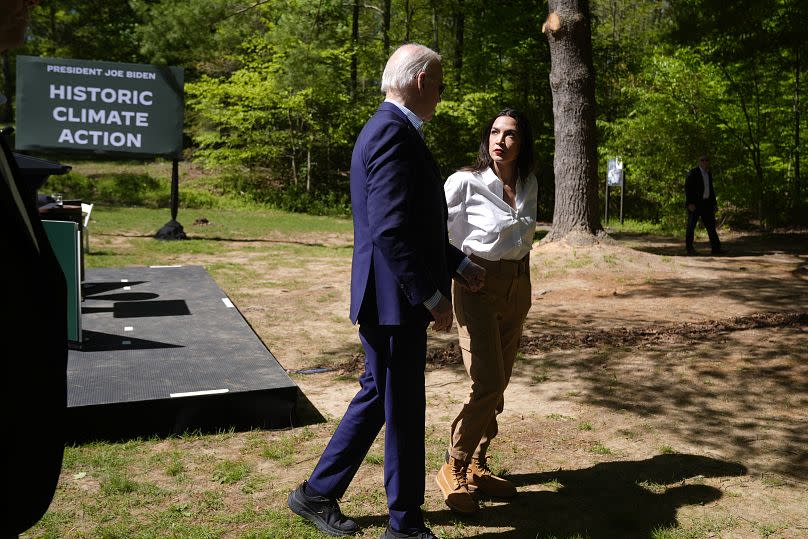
(386, 28)
(354, 46)
(294, 146)
(435, 37)
(797, 199)
(572, 81)
(6, 115)
(459, 27)
(408, 12)
(308, 167)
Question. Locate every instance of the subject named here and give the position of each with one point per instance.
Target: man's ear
(419, 80)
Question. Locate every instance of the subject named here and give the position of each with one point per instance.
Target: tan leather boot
(451, 479)
(479, 477)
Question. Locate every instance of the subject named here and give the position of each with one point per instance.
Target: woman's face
(504, 141)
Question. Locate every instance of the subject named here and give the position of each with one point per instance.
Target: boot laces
(481, 465)
(458, 472)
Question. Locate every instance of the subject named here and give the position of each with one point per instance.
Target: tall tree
(7, 113)
(459, 18)
(572, 80)
(354, 46)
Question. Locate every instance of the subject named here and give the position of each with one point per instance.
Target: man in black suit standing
(33, 320)
(700, 200)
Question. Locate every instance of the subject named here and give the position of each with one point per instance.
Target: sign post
(615, 178)
(105, 108)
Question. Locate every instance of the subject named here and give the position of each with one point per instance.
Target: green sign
(101, 107)
(64, 239)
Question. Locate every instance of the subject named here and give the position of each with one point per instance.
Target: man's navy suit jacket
(402, 253)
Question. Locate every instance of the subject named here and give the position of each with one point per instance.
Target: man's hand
(472, 277)
(691, 208)
(442, 313)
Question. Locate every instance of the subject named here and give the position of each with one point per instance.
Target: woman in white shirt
(492, 219)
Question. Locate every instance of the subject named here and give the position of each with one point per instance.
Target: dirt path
(656, 395)
(653, 389)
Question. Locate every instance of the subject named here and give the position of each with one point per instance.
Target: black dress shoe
(321, 511)
(691, 252)
(425, 533)
(718, 251)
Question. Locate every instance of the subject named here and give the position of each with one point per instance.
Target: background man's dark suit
(700, 207)
(402, 255)
(33, 321)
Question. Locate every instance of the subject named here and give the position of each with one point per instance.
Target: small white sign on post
(614, 174)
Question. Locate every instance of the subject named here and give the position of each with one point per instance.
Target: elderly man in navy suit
(401, 276)
(700, 201)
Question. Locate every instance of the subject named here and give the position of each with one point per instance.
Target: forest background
(277, 90)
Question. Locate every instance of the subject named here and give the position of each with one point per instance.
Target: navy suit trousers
(707, 216)
(392, 394)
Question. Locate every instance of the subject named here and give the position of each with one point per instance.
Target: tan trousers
(489, 325)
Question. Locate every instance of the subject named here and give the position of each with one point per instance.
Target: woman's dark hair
(524, 161)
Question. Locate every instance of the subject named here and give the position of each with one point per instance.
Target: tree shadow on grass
(622, 499)
(740, 394)
(746, 245)
(763, 292)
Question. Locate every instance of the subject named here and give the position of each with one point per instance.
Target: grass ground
(691, 423)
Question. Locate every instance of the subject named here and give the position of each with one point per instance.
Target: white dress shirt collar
(706, 181)
(492, 181)
(416, 122)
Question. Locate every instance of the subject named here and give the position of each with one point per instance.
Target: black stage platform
(164, 351)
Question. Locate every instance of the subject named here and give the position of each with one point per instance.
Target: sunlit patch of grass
(374, 458)
(256, 483)
(650, 486)
(769, 529)
(284, 449)
(772, 480)
(696, 529)
(118, 484)
(230, 471)
(555, 485)
(585, 426)
(579, 262)
(600, 449)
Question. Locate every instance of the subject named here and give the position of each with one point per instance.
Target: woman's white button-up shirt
(482, 223)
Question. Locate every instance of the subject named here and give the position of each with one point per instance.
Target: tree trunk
(408, 12)
(435, 36)
(797, 198)
(354, 47)
(308, 167)
(386, 28)
(6, 115)
(459, 28)
(572, 80)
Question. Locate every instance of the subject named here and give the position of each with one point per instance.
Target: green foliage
(91, 30)
(273, 98)
(202, 35)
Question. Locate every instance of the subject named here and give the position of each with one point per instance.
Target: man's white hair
(405, 64)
